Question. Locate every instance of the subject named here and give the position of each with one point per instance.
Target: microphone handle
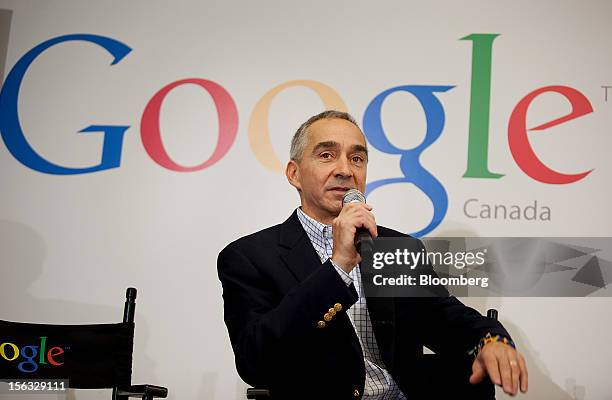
(364, 242)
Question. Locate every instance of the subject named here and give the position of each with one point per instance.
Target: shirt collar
(306, 219)
(314, 229)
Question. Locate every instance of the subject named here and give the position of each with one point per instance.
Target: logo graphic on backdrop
(481, 267)
(413, 172)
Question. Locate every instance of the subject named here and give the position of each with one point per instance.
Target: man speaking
(297, 317)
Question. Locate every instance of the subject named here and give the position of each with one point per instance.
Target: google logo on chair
(32, 355)
(412, 171)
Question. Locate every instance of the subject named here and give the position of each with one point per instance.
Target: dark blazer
(276, 291)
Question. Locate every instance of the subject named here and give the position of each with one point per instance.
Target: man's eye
(357, 159)
(325, 155)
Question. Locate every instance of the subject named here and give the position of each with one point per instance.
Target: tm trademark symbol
(605, 88)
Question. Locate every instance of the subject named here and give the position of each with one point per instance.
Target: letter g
(10, 128)
(410, 163)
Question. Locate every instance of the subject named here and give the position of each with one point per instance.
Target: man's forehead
(335, 130)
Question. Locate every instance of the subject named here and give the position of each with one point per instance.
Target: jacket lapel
(297, 252)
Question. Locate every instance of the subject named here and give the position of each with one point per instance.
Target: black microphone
(363, 239)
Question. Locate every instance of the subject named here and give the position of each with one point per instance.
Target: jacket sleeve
(263, 325)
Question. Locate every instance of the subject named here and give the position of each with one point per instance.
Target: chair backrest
(88, 356)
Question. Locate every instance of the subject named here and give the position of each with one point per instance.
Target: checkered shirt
(379, 385)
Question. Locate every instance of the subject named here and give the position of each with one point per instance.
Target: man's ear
(292, 172)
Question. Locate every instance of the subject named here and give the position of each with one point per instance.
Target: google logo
(258, 135)
(53, 356)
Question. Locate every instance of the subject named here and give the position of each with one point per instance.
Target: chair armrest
(143, 391)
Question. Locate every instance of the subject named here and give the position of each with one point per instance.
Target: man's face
(334, 161)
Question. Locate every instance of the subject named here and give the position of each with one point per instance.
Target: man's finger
(493, 370)
(367, 221)
(515, 371)
(478, 372)
(506, 374)
(371, 225)
(524, 374)
(360, 215)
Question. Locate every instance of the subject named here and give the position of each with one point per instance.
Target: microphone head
(353, 196)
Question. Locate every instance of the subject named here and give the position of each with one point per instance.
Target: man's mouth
(342, 189)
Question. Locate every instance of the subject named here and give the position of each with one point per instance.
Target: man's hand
(503, 365)
(344, 227)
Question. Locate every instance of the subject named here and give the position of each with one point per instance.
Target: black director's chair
(87, 356)
(432, 382)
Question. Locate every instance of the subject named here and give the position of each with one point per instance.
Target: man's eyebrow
(325, 145)
(357, 148)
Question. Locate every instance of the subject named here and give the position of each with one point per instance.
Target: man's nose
(343, 168)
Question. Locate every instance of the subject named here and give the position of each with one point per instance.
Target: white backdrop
(71, 244)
